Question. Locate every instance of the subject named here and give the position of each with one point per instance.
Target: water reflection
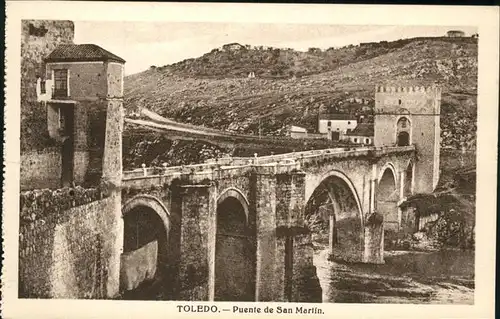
(406, 277)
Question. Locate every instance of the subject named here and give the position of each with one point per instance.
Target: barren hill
(291, 87)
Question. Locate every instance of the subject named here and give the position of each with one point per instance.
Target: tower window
(403, 123)
(399, 101)
(61, 83)
(42, 87)
(329, 123)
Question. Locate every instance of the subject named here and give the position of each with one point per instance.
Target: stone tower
(40, 156)
(410, 115)
(83, 95)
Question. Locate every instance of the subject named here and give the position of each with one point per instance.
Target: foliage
(455, 223)
(453, 229)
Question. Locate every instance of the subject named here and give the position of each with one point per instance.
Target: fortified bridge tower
(410, 115)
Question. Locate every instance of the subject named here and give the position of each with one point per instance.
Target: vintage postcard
(221, 160)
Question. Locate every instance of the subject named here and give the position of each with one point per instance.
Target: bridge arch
(237, 194)
(387, 166)
(144, 262)
(334, 209)
(235, 249)
(151, 202)
(343, 177)
(387, 197)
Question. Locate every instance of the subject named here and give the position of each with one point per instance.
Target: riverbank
(442, 277)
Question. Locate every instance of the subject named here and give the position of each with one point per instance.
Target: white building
(297, 132)
(362, 134)
(336, 123)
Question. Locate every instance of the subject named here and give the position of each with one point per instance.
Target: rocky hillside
(291, 87)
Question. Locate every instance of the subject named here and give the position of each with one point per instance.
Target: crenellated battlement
(435, 90)
(407, 99)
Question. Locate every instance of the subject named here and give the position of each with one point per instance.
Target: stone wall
(112, 155)
(71, 253)
(114, 79)
(80, 166)
(87, 80)
(38, 39)
(95, 133)
(41, 169)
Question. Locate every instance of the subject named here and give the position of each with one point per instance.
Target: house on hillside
(336, 123)
(232, 47)
(362, 134)
(297, 132)
(455, 34)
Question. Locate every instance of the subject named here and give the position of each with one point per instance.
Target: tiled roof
(337, 116)
(81, 52)
(362, 129)
(294, 128)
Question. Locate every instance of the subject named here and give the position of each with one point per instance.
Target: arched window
(403, 139)
(404, 122)
(403, 132)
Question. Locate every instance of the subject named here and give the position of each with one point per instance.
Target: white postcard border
(485, 18)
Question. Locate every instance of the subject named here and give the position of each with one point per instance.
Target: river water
(444, 277)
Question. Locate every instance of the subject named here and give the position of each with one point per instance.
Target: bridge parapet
(198, 173)
(277, 164)
(375, 152)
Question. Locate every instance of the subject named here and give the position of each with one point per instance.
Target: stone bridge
(240, 228)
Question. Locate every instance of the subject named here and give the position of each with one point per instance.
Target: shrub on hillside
(452, 229)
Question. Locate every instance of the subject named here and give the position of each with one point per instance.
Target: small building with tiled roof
(336, 123)
(83, 53)
(455, 34)
(81, 71)
(362, 134)
(82, 83)
(297, 132)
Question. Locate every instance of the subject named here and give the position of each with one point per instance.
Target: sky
(143, 44)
